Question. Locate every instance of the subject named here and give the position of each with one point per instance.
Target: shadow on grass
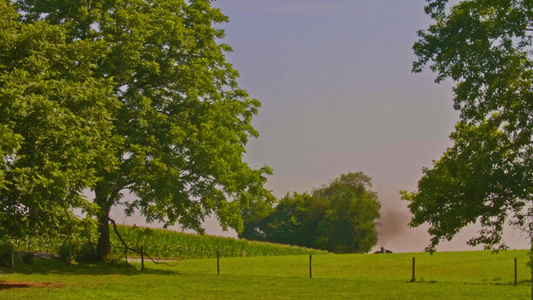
(58, 266)
(484, 282)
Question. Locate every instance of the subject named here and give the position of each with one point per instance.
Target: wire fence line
(140, 255)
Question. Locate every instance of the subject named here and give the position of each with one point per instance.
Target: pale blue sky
(334, 78)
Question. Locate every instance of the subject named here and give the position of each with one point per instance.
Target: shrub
(27, 257)
(6, 248)
(83, 253)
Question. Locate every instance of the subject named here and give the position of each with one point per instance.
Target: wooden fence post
(12, 259)
(142, 258)
(70, 252)
(515, 273)
(413, 278)
(218, 262)
(310, 266)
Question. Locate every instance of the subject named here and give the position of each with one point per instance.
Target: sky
(338, 95)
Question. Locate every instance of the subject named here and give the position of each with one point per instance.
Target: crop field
(447, 275)
(162, 243)
(171, 244)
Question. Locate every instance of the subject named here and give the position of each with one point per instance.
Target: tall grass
(37, 244)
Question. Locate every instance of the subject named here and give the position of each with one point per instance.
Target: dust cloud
(393, 223)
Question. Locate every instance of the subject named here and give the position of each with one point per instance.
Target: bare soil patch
(18, 285)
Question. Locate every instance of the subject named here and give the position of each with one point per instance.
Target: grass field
(449, 275)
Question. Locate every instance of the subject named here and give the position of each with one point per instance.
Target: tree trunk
(103, 248)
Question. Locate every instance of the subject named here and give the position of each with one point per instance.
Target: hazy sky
(334, 79)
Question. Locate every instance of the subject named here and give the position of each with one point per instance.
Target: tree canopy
(176, 122)
(55, 124)
(339, 217)
(487, 175)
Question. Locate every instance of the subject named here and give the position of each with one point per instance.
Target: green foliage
(27, 257)
(6, 248)
(82, 253)
(255, 217)
(339, 217)
(288, 223)
(349, 224)
(486, 177)
(120, 95)
(55, 124)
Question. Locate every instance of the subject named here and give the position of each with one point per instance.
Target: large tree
(487, 175)
(339, 217)
(182, 123)
(352, 208)
(55, 125)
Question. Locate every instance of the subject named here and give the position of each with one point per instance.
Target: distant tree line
(339, 217)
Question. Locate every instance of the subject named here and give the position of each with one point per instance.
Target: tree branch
(126, 248)
(165, 113)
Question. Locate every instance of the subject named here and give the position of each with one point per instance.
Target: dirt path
(18, 285)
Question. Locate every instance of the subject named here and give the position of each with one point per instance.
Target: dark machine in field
(383, 250)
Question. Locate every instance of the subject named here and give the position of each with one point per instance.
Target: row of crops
(160, 243)
(170, 244)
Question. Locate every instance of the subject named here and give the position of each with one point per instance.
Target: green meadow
(447, 275)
